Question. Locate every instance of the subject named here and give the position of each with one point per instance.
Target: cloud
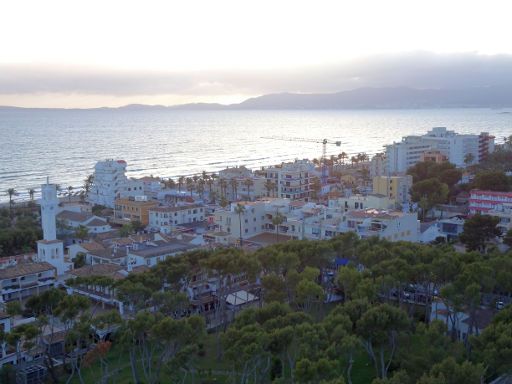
(416, 69)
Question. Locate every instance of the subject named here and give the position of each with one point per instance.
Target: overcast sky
(112, 53)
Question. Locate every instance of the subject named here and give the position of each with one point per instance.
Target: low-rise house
(72, 220)
(166, 219)
(360, 202)
(18, 282)
(149, 254)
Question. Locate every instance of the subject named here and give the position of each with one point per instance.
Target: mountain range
(361, 98)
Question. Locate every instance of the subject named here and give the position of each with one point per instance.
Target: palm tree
(171, 184)
(209, 181)
(353, 160)
(204, 175)
(269, 186)
(70, 189)
(88, 183)
(200, 187)
(31, 192)
(223, 185)
(181, 180)
(277, 220)
(11, 192)
(240, 209)
(248, 184)
(190, 185)
(234, 186)
(213, 196)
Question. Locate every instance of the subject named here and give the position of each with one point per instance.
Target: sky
(111, 53)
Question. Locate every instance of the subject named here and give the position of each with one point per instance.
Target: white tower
(50, 249)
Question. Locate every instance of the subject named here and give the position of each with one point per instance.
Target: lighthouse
(50, 249)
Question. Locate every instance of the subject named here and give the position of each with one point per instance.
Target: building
(150, 254)
(110, 183)
(151, 186)
(25, 279)
(396, 188)
(130, 209)
(241, 184)
(49, 249)
(293, 180)
(460, 149)
(360, 202)
(494, 203)
(72, 220)
(434, 155)
(377, 166)
(483, 202)
(166, 219)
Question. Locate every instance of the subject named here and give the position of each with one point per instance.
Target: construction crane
(324, 143)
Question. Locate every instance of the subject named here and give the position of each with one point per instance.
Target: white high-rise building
(458, 148)
(110, 183)
(50, 249)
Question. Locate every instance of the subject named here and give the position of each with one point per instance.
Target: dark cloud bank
(421, 79)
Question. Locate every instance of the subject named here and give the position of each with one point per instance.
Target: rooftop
(373, 213)
(23, 269)
(152, 251)
(109, 270)
(73, 216)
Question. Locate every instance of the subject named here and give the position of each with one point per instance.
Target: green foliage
(507, 239)
(137, 226)
(493, 180)
(434, 191)
(429, 170)
(478, 230)
(79, 260)
(97, 209)
(81, 232)
(126, 230)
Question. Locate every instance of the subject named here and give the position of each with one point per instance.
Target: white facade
(50, 249)
(405, 154)
(377, 166)
(110, 183)
(293, 180)
(165, 219)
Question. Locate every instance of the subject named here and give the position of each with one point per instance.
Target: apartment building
(150, 254)
(130, 209)
(166, 219)
(110, 183)
(360, 202)
(25, 279)
(293, 180)
(240, 184)
(494, 203)
(395, 188)
(405, 154)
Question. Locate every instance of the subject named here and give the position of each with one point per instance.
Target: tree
(468, 159)
(492, 180)
(70, 190)
(277, 220)
(181, 181)
(79, 260)
(137, 226)
(240, 209)
(223, 202)
(31, 192)
(126, 230)
(11, 192)
(433, 190)
(378, 330)
(81, 232)
(449, 371)
(478, 230)
(248, 183)
(234, 188)
(269, 186)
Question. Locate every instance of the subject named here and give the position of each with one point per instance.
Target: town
(214, 251)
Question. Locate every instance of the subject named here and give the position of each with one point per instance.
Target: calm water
(65, 145)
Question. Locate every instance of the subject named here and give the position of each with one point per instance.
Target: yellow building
(130, 209)
(395, 188)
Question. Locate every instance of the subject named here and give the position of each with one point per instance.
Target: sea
(64, 145)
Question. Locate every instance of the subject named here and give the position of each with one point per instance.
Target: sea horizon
(64, 144)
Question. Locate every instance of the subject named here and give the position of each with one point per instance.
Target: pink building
(486, 201)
